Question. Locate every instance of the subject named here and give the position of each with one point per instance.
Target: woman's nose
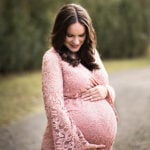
(76, 41)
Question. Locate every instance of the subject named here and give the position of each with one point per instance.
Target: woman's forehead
(76, 29)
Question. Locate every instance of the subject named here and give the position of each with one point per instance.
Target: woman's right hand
(95, 93)
(93, 146)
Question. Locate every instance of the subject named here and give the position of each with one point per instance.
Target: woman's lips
(75, 46)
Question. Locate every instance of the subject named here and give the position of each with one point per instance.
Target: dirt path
(133, 104)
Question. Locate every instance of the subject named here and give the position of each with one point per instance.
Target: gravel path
(133, 105)
(23, 135)
(132, 102)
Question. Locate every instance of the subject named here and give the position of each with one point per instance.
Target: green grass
(20, 94)
(125, 64)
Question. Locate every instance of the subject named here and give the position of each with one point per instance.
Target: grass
(20, 94)
(125, 64)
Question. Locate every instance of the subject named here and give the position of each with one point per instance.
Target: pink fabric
(72, 122)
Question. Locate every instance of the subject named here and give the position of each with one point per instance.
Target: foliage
(24, 30)
(122, 28)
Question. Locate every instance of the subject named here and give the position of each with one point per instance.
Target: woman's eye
(69, 35)
(82, 35)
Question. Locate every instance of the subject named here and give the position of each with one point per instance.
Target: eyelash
(69, 35)
(82, 35)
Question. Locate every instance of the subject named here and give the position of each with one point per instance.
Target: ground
(133, 105)
(132, 102)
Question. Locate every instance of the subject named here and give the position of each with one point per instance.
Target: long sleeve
(111, 93)
(65, 133)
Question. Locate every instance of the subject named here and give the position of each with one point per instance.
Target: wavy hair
(70, 14)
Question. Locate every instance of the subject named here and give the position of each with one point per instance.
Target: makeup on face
(75, 37)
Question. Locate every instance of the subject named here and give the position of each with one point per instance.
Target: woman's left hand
(96, 93)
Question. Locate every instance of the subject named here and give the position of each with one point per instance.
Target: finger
(96, 99)
(96, 95)
(91, 97)
(89, 93)
(85, 95)
(94, 146)
(87, 98)
(94, 81)
(92, 90)
(101, 146)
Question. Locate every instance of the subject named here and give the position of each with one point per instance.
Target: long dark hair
(70, 14)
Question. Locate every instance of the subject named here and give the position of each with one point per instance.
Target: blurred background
(123, 34)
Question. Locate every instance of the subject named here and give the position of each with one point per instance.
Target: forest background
(122, 28)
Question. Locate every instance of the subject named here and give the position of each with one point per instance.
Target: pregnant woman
(79, 101)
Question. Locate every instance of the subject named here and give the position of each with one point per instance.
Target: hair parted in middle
(68, 15)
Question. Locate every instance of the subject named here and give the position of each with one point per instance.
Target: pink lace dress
(72, 121)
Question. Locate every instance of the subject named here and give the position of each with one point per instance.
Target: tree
(24, 30)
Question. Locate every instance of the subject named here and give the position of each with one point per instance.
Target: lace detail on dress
(66, 135)
(111, 93)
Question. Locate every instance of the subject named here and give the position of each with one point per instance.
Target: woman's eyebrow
(73, 34)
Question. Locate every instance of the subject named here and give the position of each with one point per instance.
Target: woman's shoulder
(51, 54)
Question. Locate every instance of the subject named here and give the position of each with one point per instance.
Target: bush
(24, 30)
(122, 27)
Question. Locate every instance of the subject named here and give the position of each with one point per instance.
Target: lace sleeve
(111, 92)
(65, 134)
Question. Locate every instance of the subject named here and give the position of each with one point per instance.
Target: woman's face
(75, 37)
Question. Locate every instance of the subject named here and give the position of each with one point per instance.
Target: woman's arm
(110, 96)
(65, 133)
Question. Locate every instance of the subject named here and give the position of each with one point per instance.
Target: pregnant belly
(96, 120)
